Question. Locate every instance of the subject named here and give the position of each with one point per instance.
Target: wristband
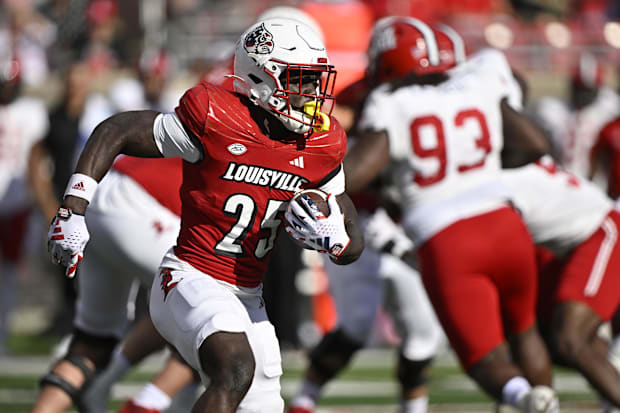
(81, 186)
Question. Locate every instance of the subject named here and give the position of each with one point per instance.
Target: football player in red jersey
(239, 170)
(443, 133)
(161, 178)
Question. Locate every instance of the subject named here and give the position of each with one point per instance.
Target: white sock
(151, 397)
(308, 395)
(514, 389)
(417, 405)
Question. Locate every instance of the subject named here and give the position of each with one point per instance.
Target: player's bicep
(353, 229)
(365, 160)
(348, 209)
(128, 133)
(173, 139)
(524, 140)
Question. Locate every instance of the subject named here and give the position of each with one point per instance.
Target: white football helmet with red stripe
(282, 65)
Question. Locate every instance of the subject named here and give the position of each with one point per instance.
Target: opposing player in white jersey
(443, 134)
(579, 289)
(574, 126)
(237, 176)
(133, 221)
(380, 275)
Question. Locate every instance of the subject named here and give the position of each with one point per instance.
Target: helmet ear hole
(255, 78)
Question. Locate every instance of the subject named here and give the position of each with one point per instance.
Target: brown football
(319, 200)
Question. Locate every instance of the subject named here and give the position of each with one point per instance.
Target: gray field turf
(366, 387)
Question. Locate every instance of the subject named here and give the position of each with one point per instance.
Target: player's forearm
(355, 248)
(356, 244)
(365, 160)
(77, 205)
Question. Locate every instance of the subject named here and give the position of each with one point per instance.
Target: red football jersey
(231, 199)
(160, 177)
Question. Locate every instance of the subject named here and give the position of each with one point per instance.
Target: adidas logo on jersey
(79, 186)
(257, 175)
(298, 162)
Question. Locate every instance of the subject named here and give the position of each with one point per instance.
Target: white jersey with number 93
(445, 141)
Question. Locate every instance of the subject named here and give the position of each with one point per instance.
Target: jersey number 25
(244, 209)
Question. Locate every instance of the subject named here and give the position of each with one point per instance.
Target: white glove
(321, 233)
(384, 235)
(67, 239)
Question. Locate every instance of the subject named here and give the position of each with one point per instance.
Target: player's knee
(566, 349)
(62, 376)
(413, 373)
(242, 371)
(87, 354)
(97, 349)
(263, 401)
(567, 343)
(236, 373)
(423, 343)
(230, 368)
(358, 326)
(479, 370)
(572, 329)
(333, 353)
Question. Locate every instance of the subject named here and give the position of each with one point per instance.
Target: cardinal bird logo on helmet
(259, 41)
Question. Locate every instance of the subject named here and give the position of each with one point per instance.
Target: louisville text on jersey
(257, 175)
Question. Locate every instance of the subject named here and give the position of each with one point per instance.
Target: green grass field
(367, 386)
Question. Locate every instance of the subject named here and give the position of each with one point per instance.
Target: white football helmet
(282, 66)
(292, 13)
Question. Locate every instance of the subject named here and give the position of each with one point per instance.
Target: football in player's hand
(316, 202)
(315, 199)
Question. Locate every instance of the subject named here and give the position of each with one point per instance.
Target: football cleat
(540, 399)
(131, 407)
(298, 409)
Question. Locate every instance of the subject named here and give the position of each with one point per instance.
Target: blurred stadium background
(84, 47)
